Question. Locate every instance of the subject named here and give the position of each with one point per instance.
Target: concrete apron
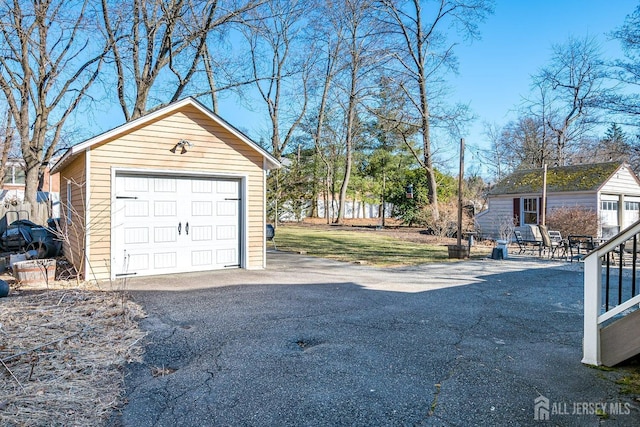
(286, 268)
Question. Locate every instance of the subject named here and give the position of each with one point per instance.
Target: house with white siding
(611, 189)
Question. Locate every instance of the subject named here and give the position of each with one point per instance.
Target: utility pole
(543, 206)
(460, 180)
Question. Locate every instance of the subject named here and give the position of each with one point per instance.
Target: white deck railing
(595, 314)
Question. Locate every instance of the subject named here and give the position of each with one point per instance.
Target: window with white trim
(608, 205)
(530, 210)
(631, 212)
(14, 174)
(609, 214)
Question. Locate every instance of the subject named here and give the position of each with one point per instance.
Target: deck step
(620, 340)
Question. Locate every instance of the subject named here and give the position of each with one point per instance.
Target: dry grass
(62, 353)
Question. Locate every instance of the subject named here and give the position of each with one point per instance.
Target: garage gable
(187, 104)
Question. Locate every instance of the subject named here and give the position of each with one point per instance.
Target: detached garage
(177, 190)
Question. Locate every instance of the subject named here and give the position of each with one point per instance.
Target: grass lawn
(370, 246)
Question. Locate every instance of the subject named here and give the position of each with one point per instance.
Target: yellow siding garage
(184, 144)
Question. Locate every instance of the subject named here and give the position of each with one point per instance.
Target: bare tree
(570, 88)
(525, 143)
(48, 63)
(6, 139)
(424, 52)
(627, 72)
(280, 67)
(160, 47)
(362, 55)
(495, 159)
(326, 44)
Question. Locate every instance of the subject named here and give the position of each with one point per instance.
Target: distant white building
(352, 209)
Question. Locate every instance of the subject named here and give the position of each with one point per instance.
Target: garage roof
(72, 152)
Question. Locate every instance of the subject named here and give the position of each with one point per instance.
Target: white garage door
(167, 224)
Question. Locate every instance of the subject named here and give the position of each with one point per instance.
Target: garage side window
(69, 210)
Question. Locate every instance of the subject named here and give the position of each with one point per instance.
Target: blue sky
(495, 72)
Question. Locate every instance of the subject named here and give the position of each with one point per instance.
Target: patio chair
(581, 245)
(563, 246)
(524, 245)
(625, 253)
(549, 244)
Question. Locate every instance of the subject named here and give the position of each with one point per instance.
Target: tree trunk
(425, 125)
(345, 182)
(6, 146)
(31, 188)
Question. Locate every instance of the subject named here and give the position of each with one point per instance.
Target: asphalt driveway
(315, 342)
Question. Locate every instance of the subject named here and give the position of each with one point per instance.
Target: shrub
(573, 221)
(506, 226)
(447, 223)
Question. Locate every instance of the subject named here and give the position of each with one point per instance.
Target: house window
(631, 213)
(14, 174)
(609, 217)
(530, 210)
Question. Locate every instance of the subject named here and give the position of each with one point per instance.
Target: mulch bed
(62, 353)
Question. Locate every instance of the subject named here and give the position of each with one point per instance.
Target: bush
(447, 223)
(506, 226)
(573, 221)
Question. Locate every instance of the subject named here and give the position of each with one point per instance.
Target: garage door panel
(202, 233)
(227, 208)
(136, 235)
(226, 187)
(226, 256)
(201, 208)
(136, 208)
(201, 258)
(201, 186)
(165, 208)
(165, 185)
(226, 232)
(135, 184)
(165, 260)
(137, 262)
(175, 224)
(165, 234)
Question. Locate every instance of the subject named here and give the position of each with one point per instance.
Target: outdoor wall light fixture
(183, 144)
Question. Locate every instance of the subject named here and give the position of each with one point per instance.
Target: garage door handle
(179, 228)
(186, 229)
